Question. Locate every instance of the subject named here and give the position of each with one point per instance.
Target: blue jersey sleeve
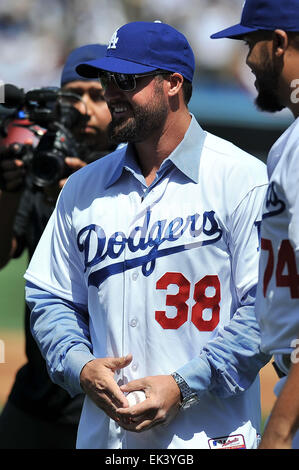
(60, 328)
(230, 363)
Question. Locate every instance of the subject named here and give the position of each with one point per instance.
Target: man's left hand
(162, 403)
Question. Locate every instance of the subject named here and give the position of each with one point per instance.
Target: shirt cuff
(197, 373)
(75, 360)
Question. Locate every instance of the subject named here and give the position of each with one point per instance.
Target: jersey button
(135, 366)
(134, 322)
(135, 276)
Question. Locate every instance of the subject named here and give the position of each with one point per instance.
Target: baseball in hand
(136, 397)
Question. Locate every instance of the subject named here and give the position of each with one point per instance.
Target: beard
(267, 83)
(146, 120)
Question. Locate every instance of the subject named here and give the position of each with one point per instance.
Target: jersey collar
(186, 156)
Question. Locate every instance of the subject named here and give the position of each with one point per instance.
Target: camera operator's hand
(12, 170)
(75, 164)
(53, 191)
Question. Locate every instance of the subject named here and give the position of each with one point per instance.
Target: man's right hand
(12, 171)
(97, 381)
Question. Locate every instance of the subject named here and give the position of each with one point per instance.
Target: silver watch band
(188, 396)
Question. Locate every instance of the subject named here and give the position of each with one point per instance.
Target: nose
(82, 106)
(249, 59)
(111, 91)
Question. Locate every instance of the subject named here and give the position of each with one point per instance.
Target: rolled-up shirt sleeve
(230, 363)
(57, 297)
(61, 330)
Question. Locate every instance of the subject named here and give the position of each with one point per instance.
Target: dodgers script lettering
(145, 237)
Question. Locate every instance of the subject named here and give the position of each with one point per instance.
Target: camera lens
(46, 169)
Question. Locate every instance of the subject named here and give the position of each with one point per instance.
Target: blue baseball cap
(140, 47)
(264, 15)
(87, 52)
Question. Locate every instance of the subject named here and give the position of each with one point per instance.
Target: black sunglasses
(125, 81)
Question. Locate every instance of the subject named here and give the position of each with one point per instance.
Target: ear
(280, 42)
(175, 83)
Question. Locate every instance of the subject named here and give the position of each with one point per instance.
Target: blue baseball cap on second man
(141, 47)
(264, 15)
(78, 55)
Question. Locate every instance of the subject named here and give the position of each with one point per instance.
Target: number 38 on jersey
(180, 299)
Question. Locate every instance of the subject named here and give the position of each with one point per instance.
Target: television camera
(50, 115)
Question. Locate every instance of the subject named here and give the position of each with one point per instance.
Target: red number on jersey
(286, 274)
(179, 301)
(286, 259)
(176, 300)
(203, 302)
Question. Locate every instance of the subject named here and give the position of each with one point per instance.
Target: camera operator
(39, 414)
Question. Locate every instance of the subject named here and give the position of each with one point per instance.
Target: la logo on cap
(113, 41)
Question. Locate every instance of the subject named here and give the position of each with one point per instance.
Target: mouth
(88, 130)
(119, 110)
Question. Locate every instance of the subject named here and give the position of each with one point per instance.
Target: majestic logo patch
(145, 242)
(236, 441)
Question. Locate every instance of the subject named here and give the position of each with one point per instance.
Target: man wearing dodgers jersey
(145, 276)
(271, 30)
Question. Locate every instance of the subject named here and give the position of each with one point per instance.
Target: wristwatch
(189, 398)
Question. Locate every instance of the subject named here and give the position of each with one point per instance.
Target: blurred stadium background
(36, 36)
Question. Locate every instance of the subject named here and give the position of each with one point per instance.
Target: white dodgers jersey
(277, 303)
(161, 271)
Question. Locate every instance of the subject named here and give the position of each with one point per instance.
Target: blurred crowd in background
(37, 35)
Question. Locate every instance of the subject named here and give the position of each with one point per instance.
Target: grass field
(11, 321)
(12, 294)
